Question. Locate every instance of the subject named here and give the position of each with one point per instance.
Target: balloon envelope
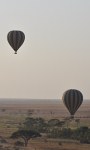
(72, 99)
(15, 39)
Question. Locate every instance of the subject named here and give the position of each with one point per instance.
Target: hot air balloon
(15, 39)
(72, 99)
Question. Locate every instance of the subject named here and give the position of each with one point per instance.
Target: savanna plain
(48, 117)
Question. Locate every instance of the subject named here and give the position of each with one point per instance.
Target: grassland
(13, 114)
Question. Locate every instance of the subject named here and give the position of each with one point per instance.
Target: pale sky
(56, 53)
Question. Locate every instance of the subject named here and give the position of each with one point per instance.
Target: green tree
(37, 124)
(26, 135)
(53, 122)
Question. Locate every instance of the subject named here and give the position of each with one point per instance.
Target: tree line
(53, 128)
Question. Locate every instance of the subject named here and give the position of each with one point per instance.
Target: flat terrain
(13, 113)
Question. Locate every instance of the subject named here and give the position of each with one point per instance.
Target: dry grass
(51, 145)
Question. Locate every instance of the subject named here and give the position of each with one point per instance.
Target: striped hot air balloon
(15, 39)
(72, 99)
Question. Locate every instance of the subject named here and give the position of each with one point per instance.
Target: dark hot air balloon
(72, 99)
(15, 39)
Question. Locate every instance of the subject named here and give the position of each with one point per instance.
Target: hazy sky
(56, 53)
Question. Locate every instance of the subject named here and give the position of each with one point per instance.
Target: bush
(84, 141)
(19, 143)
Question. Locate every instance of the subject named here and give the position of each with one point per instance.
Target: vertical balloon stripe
(69, 101)
(65, 99)
(10, 39)
(76, 106)
(22, 37)
(72, 102)
(14, 40)
(18, 39)
(80, 101)
(75, 101)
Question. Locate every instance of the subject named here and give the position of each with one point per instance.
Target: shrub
(19, 143)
